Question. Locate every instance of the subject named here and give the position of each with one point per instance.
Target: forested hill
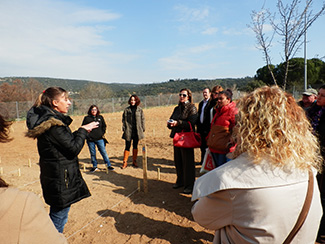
(124, 89)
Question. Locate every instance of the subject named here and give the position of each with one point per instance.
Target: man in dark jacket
(317, 118)
(203, 122)
(308, 100)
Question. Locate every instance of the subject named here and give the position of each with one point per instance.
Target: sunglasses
(182, 95)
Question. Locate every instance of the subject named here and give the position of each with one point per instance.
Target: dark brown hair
(227, 93)
(4, 137)
(3, 183)
(4, 130)
(49, 95)
(91, 107)
(137, 100)
(189, 93)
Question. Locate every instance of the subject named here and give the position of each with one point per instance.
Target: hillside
(124, 89)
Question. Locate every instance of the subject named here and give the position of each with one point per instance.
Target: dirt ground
(117, 212)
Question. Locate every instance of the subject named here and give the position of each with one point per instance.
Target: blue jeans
(59, 217)
(219, 159)
(101, 148)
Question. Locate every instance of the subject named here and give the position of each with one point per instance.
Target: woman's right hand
(89, 127)
(173, 123)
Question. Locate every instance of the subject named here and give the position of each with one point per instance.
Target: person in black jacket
(182, 115)
(96, 137)
(58, 148)
(316, 114)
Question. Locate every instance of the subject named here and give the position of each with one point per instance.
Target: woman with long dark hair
(133, 126)
(58, 148)
(96, 137)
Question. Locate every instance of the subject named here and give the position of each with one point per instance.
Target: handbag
(187, 139)
(304, 211)
(219, 138)
(208, 162)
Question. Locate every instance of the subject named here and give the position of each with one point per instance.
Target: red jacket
(225, 116)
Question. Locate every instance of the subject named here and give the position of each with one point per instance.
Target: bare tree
(290, 24)
(263, 41)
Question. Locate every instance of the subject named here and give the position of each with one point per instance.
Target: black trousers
(135, 140)
(203, 145)
(185, 166)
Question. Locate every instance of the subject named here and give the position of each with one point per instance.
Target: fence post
(113, 105)
(145, 168)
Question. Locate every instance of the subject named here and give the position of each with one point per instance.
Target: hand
(89, 127)
(173, 124)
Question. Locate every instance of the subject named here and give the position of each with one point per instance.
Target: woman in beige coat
(23, 218)
(257, 197)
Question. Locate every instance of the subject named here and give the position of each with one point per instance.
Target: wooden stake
(29, 163)
(1, 171)
(84, 167)
(139, 186)
(106, 170)
(158, 173)
(144, 164)
(19, 172)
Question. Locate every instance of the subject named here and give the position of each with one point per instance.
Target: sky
(137, 41)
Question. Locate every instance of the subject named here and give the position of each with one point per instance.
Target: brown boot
(125, 159)
(135, 155)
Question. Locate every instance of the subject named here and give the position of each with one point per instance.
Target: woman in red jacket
(225, 116)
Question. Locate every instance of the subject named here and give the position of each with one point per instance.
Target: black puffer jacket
(184, 113)
(58, 148)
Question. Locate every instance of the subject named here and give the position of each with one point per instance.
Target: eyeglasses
(94, 109)
(182, 95)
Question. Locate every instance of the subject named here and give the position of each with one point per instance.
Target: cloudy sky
(136, 41)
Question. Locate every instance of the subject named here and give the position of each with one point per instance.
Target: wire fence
(18, 110)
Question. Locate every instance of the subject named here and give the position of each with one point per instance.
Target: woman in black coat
(58, 148)
(183, 115)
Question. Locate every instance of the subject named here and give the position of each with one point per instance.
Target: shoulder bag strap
(190, 126)
(305, 209)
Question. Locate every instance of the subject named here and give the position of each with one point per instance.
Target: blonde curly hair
(271, 125)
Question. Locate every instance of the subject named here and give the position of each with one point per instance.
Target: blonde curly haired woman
(257, 197)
